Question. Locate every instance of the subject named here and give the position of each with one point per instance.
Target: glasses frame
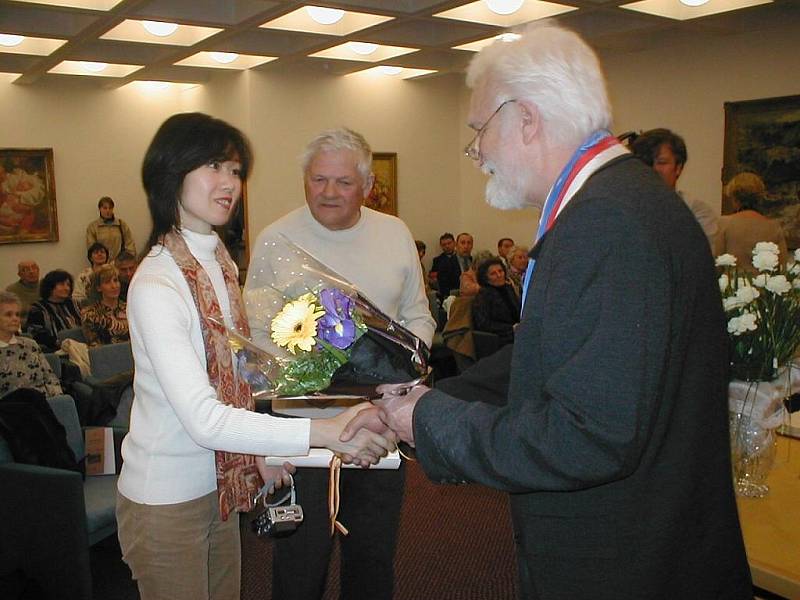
(473, 149)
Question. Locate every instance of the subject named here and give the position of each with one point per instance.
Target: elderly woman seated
(517, 266)
(106, 321)
(496, 307)
(22, 364)
(739, 232)
(56, 310)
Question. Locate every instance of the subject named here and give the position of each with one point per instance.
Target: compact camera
(277, 520)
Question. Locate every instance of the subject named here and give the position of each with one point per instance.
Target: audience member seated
(517, 266)
(105, 321)
(421, 248)
(504, 246)
(26, 287)
(739, 232)
(55, 310)
(22, 364)
(126, 266)
(496, 307)
(443, 266)
(97, 255)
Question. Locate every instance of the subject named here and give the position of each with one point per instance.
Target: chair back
(110, 360)
(75, 333)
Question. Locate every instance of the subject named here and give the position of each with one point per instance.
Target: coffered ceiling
(421, 36)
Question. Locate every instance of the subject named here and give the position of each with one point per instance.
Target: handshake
(363, 433)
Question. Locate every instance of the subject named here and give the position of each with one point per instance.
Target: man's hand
(397, 411)
(275, 477)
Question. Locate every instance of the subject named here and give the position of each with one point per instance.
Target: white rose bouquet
(763, 312)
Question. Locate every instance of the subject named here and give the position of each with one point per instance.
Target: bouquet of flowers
(316, 336)
(763, 311)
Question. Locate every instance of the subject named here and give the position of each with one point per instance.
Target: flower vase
(756, 411)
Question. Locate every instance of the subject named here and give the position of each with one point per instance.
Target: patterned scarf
(237, 476)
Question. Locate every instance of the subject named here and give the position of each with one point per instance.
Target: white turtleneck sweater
(176, 421)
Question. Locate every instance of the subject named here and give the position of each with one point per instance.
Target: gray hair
(554, 69)
(9, 298)
(515, 250)
(340, 138)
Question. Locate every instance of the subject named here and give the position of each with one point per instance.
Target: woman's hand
(275, 477)
(364, 448)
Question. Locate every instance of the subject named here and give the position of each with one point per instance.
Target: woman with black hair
(55, 311)
(496, 307)
(84, 292)
(193, 456)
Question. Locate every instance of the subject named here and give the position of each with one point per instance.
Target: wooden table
(771, 525)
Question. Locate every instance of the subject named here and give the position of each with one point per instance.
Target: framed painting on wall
(383, 195)
(27, 196)
(763, 137)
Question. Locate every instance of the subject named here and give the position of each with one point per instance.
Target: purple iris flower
(336, 327)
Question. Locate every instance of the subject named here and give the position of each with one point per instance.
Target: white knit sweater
(177, 421)
(377, 255)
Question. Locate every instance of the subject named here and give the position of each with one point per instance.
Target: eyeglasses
(472, 150)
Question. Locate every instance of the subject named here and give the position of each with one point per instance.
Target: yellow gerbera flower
(295, 326)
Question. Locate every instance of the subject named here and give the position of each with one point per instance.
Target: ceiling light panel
(301, 20)
(93, 69)
(358, 51)
(32, 46)
(531, 10)
(89, 4)
(225, 60)
(391, 71)
(672, 9)
(131, 30)
(479, 45)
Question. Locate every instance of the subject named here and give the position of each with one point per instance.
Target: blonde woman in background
(739, 232)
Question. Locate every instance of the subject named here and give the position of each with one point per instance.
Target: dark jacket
(496, 310)
(613, 440)
(448, 274)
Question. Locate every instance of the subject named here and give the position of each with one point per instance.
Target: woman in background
(84, 292)
(739, 232)
(496, 307)
(55, 311)
(105, 321)
(190, 458)
(517, 266)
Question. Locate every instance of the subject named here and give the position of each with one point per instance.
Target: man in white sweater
(376, 253)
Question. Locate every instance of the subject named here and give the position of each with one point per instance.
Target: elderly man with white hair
(377, 254)
(609, 426)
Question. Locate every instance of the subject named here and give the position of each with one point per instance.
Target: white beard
(503, 191)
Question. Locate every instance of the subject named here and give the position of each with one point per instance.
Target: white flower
(797, 255)
(760, 280)
(741, 324)
(796, 283)
(778, 284)
(726, 260)
(723, 282)
(766, 260)
(28, 188)
(766, 247)
(746, 294)
(794, 269)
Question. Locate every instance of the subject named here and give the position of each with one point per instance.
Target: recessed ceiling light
(508, 37)
(323, 15)
(346, 51)
(382, 71)
(93, 67)
(160, 28)
(479, 45)
(224, 57)
(693, 2)
(683, 10)
(504, 7)
(389, 70)
(327, 21)
(225, 60)
(362, 48)
(9, 40)
(529, 10)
